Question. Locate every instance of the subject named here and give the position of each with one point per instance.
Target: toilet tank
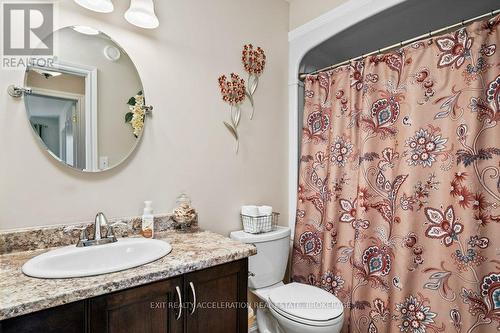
(268, 266)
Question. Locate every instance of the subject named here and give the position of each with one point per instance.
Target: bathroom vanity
(206, 272)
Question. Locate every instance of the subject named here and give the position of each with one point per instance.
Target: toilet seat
(306, 304)
(306, 323)
(303, 321)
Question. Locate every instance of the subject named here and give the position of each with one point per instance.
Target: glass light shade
(100, 6)
(85, 30)
(142, 14)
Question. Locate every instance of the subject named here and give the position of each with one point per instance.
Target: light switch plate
(103, 162)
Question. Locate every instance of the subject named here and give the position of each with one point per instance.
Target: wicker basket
(259, 224)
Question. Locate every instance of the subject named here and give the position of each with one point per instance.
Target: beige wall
(185, 146)
(302, 11)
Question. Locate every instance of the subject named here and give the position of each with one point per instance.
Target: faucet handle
(110, 233)
(119, 223)
(84, 236)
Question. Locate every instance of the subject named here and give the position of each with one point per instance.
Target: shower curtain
(398, 209)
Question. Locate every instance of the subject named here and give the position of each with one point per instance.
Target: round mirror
(87, 103)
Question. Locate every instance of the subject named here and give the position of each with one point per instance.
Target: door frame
(91, 103)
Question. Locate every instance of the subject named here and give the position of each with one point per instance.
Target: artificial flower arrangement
(136, 113)
(234, 91)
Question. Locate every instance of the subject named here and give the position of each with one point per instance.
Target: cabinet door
(221, 296)
(68, 318)
(152, 308)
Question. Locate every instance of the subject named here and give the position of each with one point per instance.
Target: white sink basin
(72, 261)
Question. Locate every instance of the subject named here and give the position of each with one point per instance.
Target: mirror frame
(90, 73)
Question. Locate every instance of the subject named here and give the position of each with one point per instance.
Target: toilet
(293, 307)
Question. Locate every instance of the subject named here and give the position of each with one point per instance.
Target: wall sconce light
(100, 6)
(142, 14)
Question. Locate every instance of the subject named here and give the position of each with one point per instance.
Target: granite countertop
(20, 294)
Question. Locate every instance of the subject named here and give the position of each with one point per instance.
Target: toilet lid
(306, 302)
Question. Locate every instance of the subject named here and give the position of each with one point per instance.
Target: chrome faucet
(100, 221)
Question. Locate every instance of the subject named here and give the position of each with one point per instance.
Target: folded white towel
(265, 210)
(250, 210)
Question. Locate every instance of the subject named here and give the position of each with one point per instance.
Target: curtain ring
(463, 24)
(492, 13)
(379, 52)
(401, 44)
(430, 41)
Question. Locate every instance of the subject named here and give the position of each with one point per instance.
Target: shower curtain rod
(492, 13)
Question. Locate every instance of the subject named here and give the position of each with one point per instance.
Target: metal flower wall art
(254, 61)
(234, 90)
(233, 93)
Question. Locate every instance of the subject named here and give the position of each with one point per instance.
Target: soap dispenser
(148, 220)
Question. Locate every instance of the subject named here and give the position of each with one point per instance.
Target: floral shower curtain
(399, 190)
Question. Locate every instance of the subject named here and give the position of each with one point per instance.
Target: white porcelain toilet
(291, 308)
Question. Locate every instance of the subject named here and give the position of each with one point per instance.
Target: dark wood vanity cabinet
(213, 299)
(150, 308)
(221, 296)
